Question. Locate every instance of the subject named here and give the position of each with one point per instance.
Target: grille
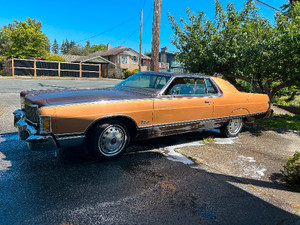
(31, 112)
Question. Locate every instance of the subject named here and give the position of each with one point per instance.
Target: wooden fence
(35, 67)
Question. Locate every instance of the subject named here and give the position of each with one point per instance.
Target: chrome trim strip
(68, 135)
(166, 86)
(218, 89)
(197, 121)
(99, 102)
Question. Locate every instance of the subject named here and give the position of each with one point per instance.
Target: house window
(124, 59)
(134, 59)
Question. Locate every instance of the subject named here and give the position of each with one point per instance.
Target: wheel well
(128, 122)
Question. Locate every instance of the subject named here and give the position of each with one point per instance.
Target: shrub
(2, 61)
(291, 170)
(54, 58)
(128, 73)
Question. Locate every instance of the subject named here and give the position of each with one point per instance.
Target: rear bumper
(29, 133)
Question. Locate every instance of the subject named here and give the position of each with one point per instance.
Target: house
(121, 58)
(114, 60)
(168, 62)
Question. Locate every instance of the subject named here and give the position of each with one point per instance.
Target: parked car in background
(146, 105)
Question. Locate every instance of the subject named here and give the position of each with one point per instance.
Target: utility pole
(141, 37)
(155, 35)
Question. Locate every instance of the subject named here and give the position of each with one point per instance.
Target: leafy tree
(5, 42)
(242, 46)
(99, 47)
(54, 58)
(25, 38)
(55, 47)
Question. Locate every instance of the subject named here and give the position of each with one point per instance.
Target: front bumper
(27, 132)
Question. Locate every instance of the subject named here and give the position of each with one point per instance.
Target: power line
(148, 16)
(96, 35)
(144, 3)
(138, 28)
(265, 4)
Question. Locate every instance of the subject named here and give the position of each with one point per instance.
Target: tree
(65, 46)
(26, 39)
(76, 50)
(99, 47)
(242, 46)
(55, 47)
(5, 42)
(87, 48)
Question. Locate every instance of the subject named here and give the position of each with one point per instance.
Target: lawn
(281, 121)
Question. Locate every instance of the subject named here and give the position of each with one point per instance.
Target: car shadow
(142, 186)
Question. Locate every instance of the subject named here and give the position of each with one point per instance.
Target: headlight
(22, 102)
(45, 124)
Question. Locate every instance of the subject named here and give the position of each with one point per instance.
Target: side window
(187, 86)
(210, 88)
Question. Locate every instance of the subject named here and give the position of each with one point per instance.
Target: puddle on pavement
(250, 168)
(170, 153)
(208, 213)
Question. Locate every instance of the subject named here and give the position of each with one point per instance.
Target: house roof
(68, 58)
(97, 59)
(110, 52)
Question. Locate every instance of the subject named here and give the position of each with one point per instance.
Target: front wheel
(110, 140)
(232, 128)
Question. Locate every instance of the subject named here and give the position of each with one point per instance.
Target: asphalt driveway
(174, 180)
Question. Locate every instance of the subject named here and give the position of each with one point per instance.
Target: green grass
(281, 121)
(283, 101)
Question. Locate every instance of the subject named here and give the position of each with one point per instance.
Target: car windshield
(144, 83)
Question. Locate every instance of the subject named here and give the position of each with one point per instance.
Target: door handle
(207, 101)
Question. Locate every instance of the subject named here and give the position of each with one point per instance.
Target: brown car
(146, 105)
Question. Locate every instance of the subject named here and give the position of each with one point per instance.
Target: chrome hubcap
(112, 140)
(234, 126)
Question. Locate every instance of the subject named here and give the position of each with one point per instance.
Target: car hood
(77, 96)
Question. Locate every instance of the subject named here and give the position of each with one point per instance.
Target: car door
(184, 106)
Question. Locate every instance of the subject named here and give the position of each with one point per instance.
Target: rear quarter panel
(234, 103)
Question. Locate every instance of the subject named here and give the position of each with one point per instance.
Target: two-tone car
(146, 105)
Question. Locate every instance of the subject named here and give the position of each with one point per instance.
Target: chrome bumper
(27, 132)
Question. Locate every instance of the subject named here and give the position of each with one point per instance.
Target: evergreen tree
(55, 47)
(64, 48)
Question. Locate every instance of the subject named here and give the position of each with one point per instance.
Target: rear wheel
(232, 128)
(110, 140)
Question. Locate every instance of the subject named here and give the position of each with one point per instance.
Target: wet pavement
(151, 184)
(141, 187)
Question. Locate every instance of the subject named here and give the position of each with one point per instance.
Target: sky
(81, 20)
